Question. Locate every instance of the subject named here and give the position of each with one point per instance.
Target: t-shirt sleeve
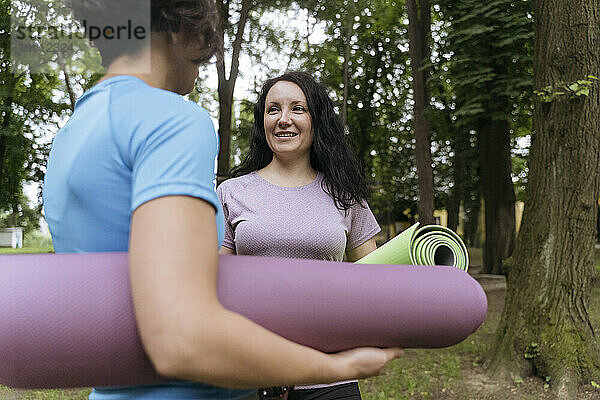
(363, 225)
(222, 193)
(174, 155)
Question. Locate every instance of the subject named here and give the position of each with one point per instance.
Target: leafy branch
(581, 87)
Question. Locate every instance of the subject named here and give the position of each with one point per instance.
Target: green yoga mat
(429, 245)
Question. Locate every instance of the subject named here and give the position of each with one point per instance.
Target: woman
(133, 169)
(300, 191)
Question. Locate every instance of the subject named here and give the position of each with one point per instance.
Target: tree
(419, 26)
(376, 95)
(244, 32)
(545, 327)
(28, 105)
(227, 84)
(349, 12)
(463, 156)
(490, 44)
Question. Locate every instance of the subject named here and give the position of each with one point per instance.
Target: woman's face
(288, 124)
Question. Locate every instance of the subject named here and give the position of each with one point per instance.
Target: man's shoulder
(132, 98)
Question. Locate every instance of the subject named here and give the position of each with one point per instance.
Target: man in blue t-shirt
(97, 177)
(133, 170)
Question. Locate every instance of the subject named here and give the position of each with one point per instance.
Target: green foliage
(483, 71)
(240, 131)
(520, 171)
(378, 94)
(33, 105)
(482, 57)
(532, 351)
(21, 214)
(264, 40)
(489, 46)
(579, 88)
(38, 240)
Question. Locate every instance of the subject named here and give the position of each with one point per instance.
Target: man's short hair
(196, 19)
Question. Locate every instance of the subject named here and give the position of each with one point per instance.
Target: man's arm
(186, 331)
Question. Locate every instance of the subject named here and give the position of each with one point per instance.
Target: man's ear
(174, 38)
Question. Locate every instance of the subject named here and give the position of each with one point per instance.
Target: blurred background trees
(476, 64)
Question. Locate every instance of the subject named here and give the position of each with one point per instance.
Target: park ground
(455, 373)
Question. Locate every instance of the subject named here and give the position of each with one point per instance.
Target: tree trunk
(545, 327)
(459, 176)
(4, 136)
(598, 222)
(472, 219)
(13, 220)
(453, 207)
(63, 67)
(3, 139)
(419, 17)
(225, 89)
(227, 85)
(498, 195)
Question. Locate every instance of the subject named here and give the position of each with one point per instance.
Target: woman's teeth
(286, 134)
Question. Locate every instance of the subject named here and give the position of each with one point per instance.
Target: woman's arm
(226, 250)
(359, 252)
(186, 331)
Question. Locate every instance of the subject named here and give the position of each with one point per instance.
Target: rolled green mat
(429, 245)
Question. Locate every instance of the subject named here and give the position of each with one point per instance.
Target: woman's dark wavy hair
(197, 19)
(330, 154)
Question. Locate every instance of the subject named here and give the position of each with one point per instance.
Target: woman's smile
(285, 135)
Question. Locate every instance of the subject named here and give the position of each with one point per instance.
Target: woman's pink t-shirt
(263, 219)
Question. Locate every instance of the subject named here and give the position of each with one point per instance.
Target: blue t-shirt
(125, 144)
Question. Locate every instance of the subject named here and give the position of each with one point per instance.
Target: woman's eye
(272, 110)
(299, 109)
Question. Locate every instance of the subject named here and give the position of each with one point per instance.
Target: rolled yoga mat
(67, 320)
(428, 245)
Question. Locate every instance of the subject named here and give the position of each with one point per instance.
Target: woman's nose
(285, 119)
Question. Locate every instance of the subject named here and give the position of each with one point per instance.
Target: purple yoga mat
(66, 320)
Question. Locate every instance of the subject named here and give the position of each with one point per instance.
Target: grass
(436, 373)
(27, 250)
(453, 373)
(418, 374)
(34, 243)
(74, 394)
(457, 372)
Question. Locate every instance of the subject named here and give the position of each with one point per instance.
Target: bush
(36, 239)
